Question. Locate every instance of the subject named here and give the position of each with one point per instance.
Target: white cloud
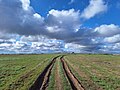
(94, 7)
(30, 38)
(25, 21)
(69, 13)
(59, 31)
(113, 39)
(42, 43)
(111, 48)
(116, 46)
(18, 44)
(53, 29)
(65, 20)
(70, 47)
(39, 19)
(107, 30)
(37, 16)
(5, 45)
(25, 4)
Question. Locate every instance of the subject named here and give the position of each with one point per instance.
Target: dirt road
(42, 81)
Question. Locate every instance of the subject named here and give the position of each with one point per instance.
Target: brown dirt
(42, 81)
(46, 78)
(75, 84)
(57, 78)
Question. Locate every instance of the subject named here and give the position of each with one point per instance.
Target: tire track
(42, 81)
(75, 84)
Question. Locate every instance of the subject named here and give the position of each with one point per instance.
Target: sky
(54, 26)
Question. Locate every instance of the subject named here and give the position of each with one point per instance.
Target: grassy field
(58, 79)
(95, 72)
(19, 71)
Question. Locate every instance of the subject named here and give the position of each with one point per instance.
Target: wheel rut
(74, 82)
(42, 81)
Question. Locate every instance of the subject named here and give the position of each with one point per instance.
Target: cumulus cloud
(42, 43)
(106, 40)
(113, 39)
(95, 7)
(31, 44)
(22, 30)
(18, 17)
(65, 20)
(27, 22)
(107, 30)
(63, 24)
(25, 4)
(111, 48)
(71, 47)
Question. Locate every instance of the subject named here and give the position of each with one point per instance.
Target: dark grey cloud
(62, 25)
(14, 19)
(23, 30)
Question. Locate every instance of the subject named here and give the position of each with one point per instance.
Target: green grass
(52, 79)
(103, 70)
(20, 71)
(64, 79)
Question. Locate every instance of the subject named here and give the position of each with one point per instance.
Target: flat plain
(60, 72)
